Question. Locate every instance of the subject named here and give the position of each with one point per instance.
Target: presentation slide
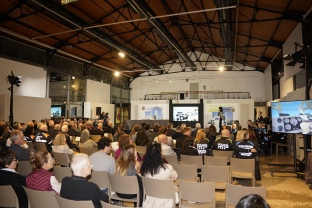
(292, 117)
(185, 113)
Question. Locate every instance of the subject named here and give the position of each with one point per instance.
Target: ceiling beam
(110, 42)
(145, 11)
(225, 16)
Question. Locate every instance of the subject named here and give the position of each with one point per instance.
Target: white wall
(268, 83)
(25, 108)
(226, 81)
(97, 92)
(33, 78)
(90, 109)
(286, 86)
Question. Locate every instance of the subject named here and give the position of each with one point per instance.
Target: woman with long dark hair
(220, 114)
(154, 167)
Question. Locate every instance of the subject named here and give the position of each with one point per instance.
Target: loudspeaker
(181, 96)
(98, 111)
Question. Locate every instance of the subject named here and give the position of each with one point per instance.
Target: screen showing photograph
(292, 117)
(56, 111)
(185, 113)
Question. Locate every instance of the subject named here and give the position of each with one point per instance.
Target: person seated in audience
(163, 130)
(43, 137)
(252, 201)
(5, 136)
(170, 130)
(77, 187)
(188, 147)
(72, 130)
(60, 145)
(147, 129)
(166, 149)
(154, 133)
(142, 138)
(109, 129)
(98, 130)
(41, 179)
(128, 165)
(86, 141)
(29, 134)
(177, 134)
(64, 130)
(223, 143)
(101, 160)
(8, 176)
(194, 132)
(17, 139)
(134, 132)
(123, 140)
(201, 143)
(55, 130)
(244, 148)
(186, 131)
(154, 167)
(120, 131)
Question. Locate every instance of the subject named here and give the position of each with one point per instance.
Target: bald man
(224, 143)
(166, 149)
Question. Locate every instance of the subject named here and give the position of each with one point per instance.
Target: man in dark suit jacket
(8, 176)
(77, 187)
(98, 130)
(17, 140)
(109, 129)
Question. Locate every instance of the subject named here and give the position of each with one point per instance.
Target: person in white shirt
(60, 145)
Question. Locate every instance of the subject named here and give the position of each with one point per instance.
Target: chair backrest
(243, 165)
(39, 199)
(215, 161)
(172, 159)
(61, 172)
(164, 189)
(197, 192)
(189, 159)
(220, 153)
(123, 184)
(219, 174)
(40, 147)
(66, 203)
(31, 147)
(86, 150)
(24, 168)
(61, 159)
(100, 178)
(96, 138)
(186, 172)
(141, 149)
(8, 197)
(235, 192)
(107, 205)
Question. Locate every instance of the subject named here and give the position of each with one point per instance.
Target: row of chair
(164, 189)
(216, 170)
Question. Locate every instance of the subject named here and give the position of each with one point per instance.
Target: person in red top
(41, 179)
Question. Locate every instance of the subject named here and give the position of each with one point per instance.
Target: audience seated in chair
(101, 160)
(8, 176)
(77, 187)
(86, 141)
(21, 153)
(252, 201)
(60, 145)
(41, 179)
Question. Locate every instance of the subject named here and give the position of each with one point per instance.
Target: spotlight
(73, 77)
(117, 73)
(170, 80)
(221, 68)
(121, 54)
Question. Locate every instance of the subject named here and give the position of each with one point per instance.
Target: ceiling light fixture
(117, 73)
(221, 68)
(170, 80)
(73, 77)
(121, 54)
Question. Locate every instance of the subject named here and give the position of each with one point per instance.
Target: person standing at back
(220, 114)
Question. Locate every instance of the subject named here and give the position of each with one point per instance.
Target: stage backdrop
(230, 113)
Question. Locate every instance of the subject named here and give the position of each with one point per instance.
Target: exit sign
(67, 1)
